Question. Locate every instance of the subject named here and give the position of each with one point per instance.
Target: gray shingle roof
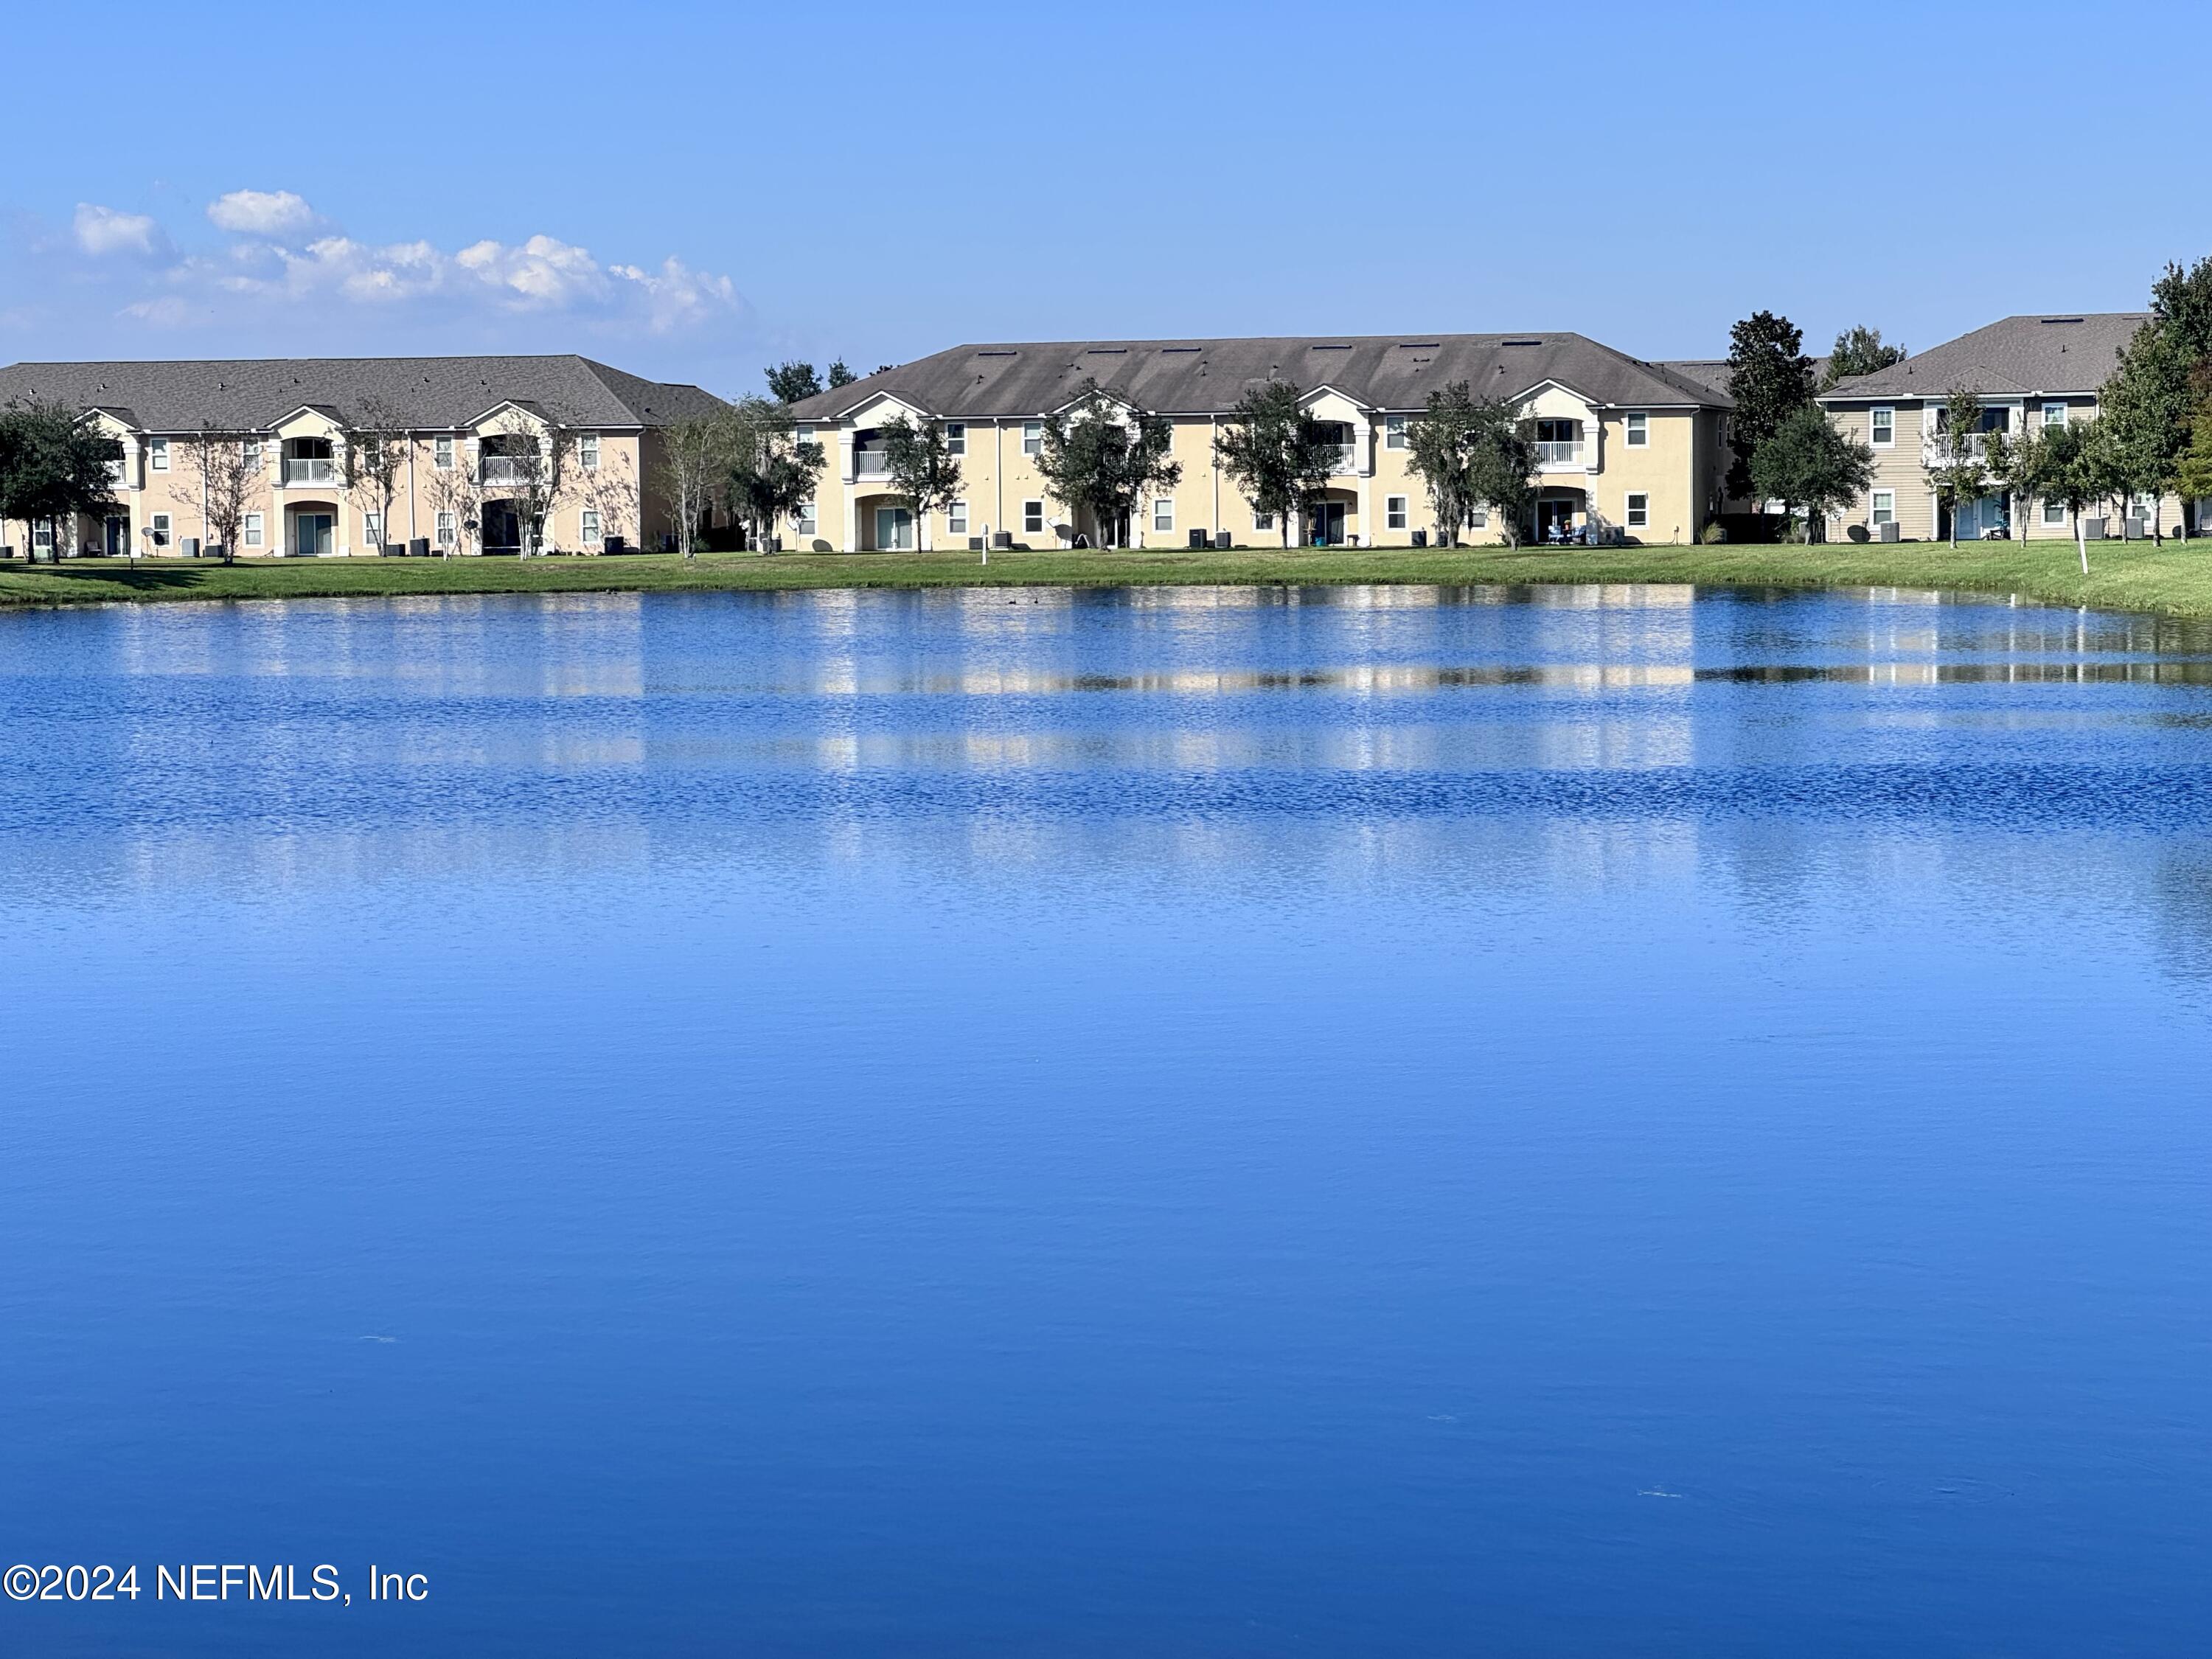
(1177, 377)
(2018, 356)
(247, 394)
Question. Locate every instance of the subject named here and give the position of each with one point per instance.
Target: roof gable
(2015, 356)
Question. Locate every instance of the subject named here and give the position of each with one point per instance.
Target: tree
(1279, 457)
(2145, 407)
(228, 480)
(1503, 465)
(840, 375)
(2181, 306)
(1104, 458)
(772, 474)
(537, 473)
(695, 456)
(2074, 472)
(373, 459)
(456, 492)
(1439, 448)
(2193, 477)
(1958, 473)
(612, 491)
(788, 382)
(2021, 467)
(1807, 463)
(1769, 376)
(1859, 350)
(53, 467)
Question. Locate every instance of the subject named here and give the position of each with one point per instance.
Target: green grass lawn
(2175, 580)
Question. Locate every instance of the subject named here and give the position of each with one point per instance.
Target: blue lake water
(1377, 1121)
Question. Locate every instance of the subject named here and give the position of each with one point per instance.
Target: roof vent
(1329, 347)
(1419, 345)
(1106, 351)
(1167, 349)
(2049, 320)
(1520, 342)
(996, 354)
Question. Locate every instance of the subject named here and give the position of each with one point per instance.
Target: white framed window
(2054, 512)
(160, 530)
(158, 451)
(2054, 414)
(1164, 513)
(445, 526)
(1032, 437)
(251, 454)
(42, 533)
(250, 531)
(587, 529)
(1638, 516)
(1881, 423)
(442, 455)
(587, 452)
(1479, 519)
(1393, 512)
(1885, 507)
(1638, 429)
(372, 529)
(1394, 432)
(805, 523)
(956, 437)
(1262, 520)
(956, 519)
(1032, 518)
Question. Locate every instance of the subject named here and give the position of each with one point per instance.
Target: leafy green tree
(2074, 473)
(2193, 477)
(694, 453)
(228, 480)
(373, 455)
(1277, 455)
(2020, 467)
(1860, 350)
(840, 375)
(1437, 453)
(52, 467)
(1103, 458)
(789, 382)
(924, 471)
(772, 473)
(1769, 376)
(2146, 406)
(2181, 304)
(1805, 462)
(1501, 463)
(1959, 473)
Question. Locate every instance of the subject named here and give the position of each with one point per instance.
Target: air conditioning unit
(1887, 532)
(418, 547)
(610, 543)
(2092, 530)
(190, 547)
(974, 544)
(1420, 538)
(1002, 538)
(1200, 538)
(1221, 541)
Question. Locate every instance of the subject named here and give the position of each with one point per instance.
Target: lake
(1361, 1121)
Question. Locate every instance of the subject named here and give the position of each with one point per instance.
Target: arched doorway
(1559, 514)
(886, 524)
(311, 529)
(500, 528)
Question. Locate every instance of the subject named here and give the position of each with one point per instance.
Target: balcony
(309, 470)
(1345, 458)
(1558, 452)
(871, 463)
(502, 470)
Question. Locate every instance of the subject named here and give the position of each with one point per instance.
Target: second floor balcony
(310, 470)
(502, 470)
(1558, 452)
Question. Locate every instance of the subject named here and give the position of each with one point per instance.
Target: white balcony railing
(501, 469)
(1558, 452)
(305, 469)
(871, 463)
(1345, 458)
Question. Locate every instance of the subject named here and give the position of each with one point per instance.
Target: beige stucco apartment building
(464, 420)
(2026, 372)
(1627, 444)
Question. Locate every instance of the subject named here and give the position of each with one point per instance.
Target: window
(1032, 517)
(372, 528)
(1393, 512)
(587, 525)
(1639, 429)
(1558, 442)
(251, 529)
(1479, 519)
(160, 454)
(1883, 422)
(807, 523)
(804, 434)
(2054, 415)
(42, 533)
(1639, 510)
(2054, 512)
(587, 452)
(1394, 432)
(253, 456)
(160, 530)
(956, 517)
(445, 520)
(1262, 520)
(1032, 437)
(956, 438)
(1164, 513)
(1885, 507)
(441, 456)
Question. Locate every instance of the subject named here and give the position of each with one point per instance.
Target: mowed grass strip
(2175, 580)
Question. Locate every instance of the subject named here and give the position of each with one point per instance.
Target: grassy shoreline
(2175, 580)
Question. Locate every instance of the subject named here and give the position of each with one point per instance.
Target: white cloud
(271, 213)
(677, 296)
(101, 231)
(542, 274)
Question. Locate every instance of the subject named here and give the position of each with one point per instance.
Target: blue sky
(690, 190)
